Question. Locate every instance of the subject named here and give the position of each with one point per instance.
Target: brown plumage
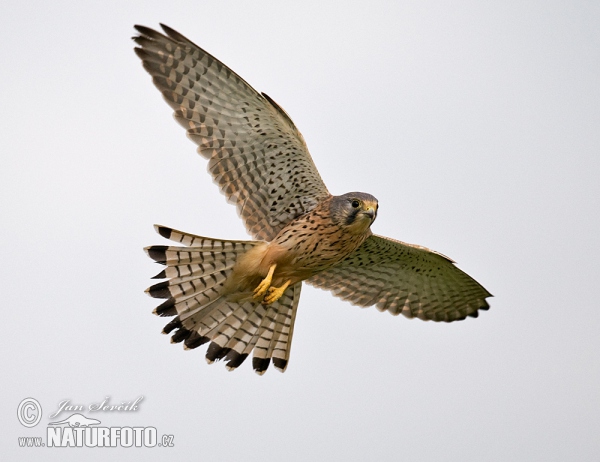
(242, 295)
(308, 245)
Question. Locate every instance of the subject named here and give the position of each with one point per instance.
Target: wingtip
(164, 27)
(140, 52)
(144, 30)
(176, 36)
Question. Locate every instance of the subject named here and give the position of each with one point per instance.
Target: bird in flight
(242, 296)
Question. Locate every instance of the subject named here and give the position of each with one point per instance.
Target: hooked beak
(371, 213)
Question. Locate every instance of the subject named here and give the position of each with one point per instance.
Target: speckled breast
(315, 242)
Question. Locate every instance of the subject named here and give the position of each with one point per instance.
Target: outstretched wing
(404, 278)
(256, 154)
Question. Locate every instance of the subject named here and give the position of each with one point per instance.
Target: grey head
(354, 210)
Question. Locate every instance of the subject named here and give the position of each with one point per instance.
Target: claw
(264, 285)
(275, 293)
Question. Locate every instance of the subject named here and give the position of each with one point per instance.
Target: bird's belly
(312, 253)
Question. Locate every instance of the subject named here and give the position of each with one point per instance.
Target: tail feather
(193, 270)
(194, 341)
(222, 326)
(261, 359)
(242, 343)
(236, 332)
(204, 243)
(180, 335)
(188, 304)
(178, 256)
(280, 345)
(235, 327)
(171, 326)
(226, 330)
(275, 335)
(184, 288)
(242, 337)
(209, 318)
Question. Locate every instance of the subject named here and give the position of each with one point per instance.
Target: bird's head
(354, 211)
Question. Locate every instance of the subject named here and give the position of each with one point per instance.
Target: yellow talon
(264, 285)
(275, 293)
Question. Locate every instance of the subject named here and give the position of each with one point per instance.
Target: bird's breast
(311, 244)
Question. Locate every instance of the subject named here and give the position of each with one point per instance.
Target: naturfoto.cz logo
(78, 430)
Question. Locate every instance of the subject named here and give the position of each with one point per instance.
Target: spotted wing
(404, 278)
(256, 154)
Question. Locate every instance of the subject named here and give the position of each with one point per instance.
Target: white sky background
(475, 124)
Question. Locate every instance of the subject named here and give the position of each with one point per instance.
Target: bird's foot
(275, 293)
(264, 285)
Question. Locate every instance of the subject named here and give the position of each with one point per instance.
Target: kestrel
(242, 296)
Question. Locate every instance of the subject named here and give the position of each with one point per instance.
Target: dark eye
(355, 203)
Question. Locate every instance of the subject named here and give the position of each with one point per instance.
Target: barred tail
(196, 274)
